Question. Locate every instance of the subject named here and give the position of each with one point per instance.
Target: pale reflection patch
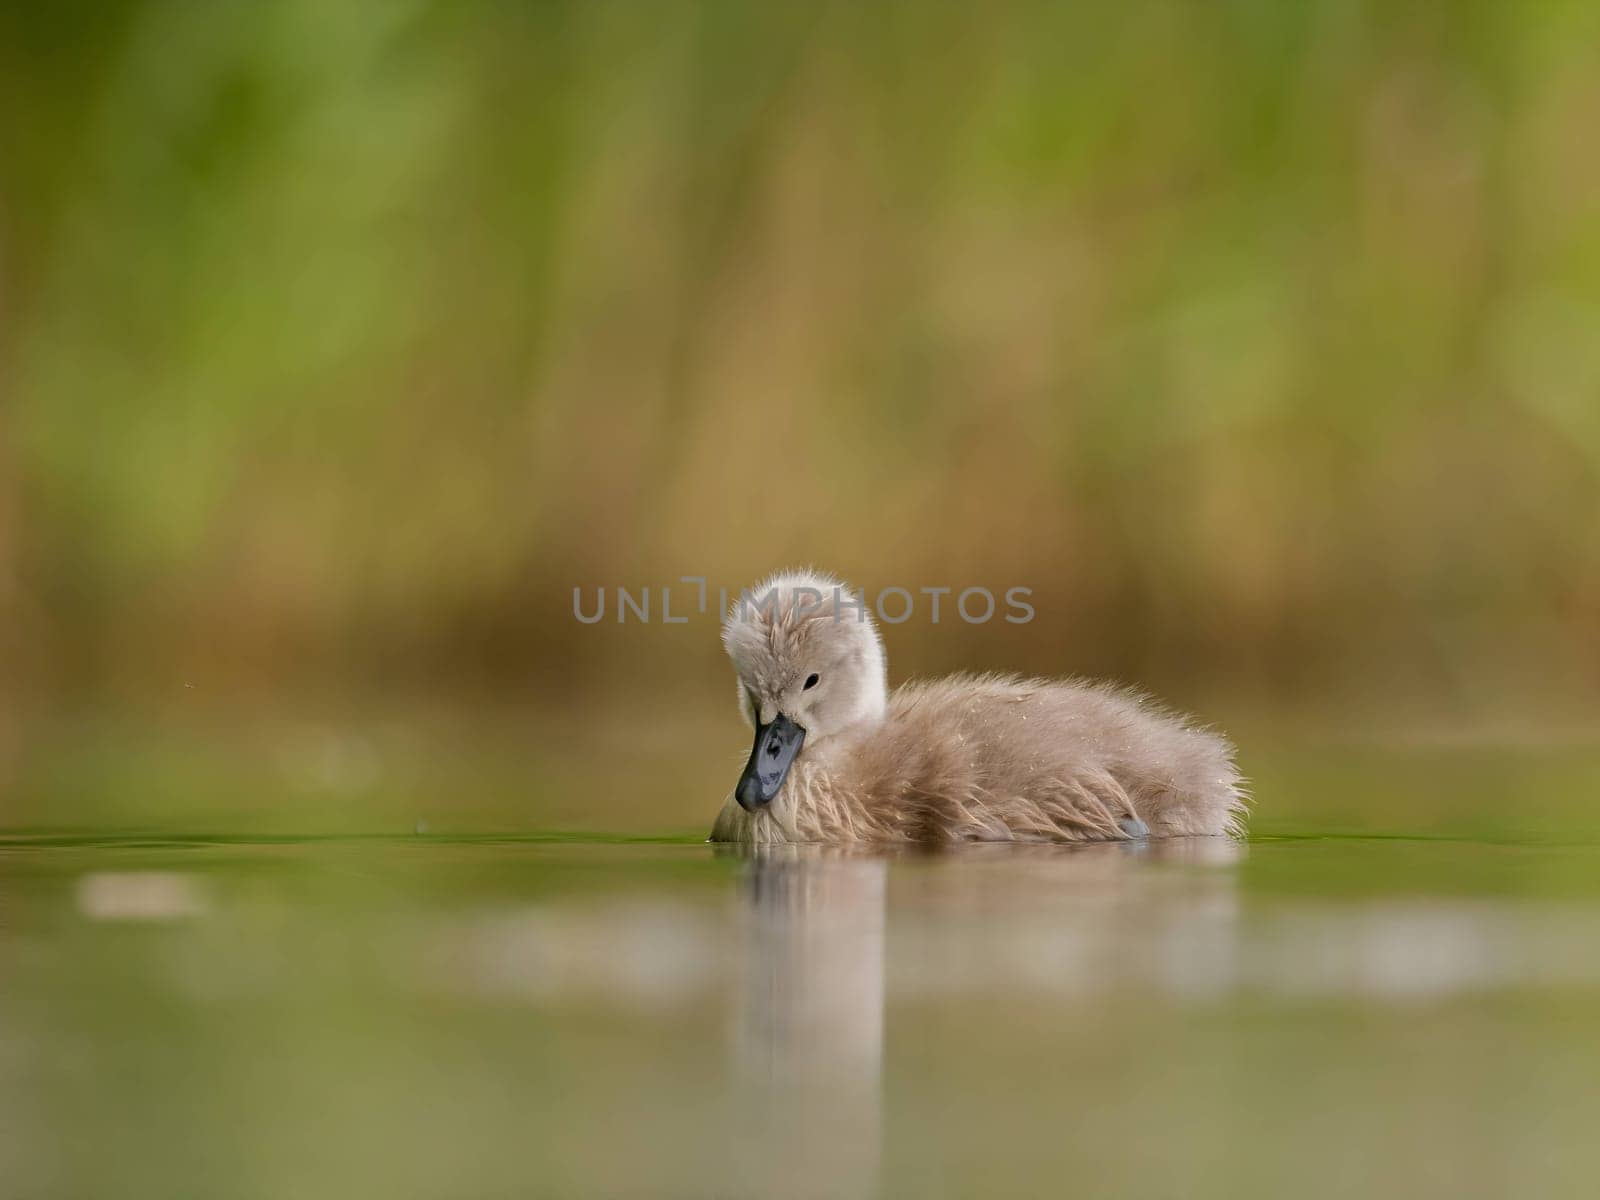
(818, 943)
(139, 896)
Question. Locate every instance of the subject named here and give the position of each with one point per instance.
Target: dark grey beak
(775, 748)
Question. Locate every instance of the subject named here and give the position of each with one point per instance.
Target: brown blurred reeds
(340, 343)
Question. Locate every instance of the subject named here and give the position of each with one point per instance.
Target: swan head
(811, 671)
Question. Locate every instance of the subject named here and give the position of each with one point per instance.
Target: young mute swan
(967, 758)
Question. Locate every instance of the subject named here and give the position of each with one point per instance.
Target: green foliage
(344, 340)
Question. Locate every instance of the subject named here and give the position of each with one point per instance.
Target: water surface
(437, 1016)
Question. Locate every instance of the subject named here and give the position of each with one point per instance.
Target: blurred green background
(339, 343)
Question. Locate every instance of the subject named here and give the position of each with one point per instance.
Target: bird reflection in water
(809, 1025)
(1082, 922)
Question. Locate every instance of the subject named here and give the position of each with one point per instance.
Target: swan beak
(775, 748)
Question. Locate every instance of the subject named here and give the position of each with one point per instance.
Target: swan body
(965, 758)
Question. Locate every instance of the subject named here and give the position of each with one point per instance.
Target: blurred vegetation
(338, 343)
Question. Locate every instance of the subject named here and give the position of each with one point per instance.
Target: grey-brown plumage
(959, 759)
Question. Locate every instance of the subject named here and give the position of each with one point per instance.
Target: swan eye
(811, 682)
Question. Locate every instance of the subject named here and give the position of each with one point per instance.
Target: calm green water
(430, 1016)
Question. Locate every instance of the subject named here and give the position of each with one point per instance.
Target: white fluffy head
(804, 645)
